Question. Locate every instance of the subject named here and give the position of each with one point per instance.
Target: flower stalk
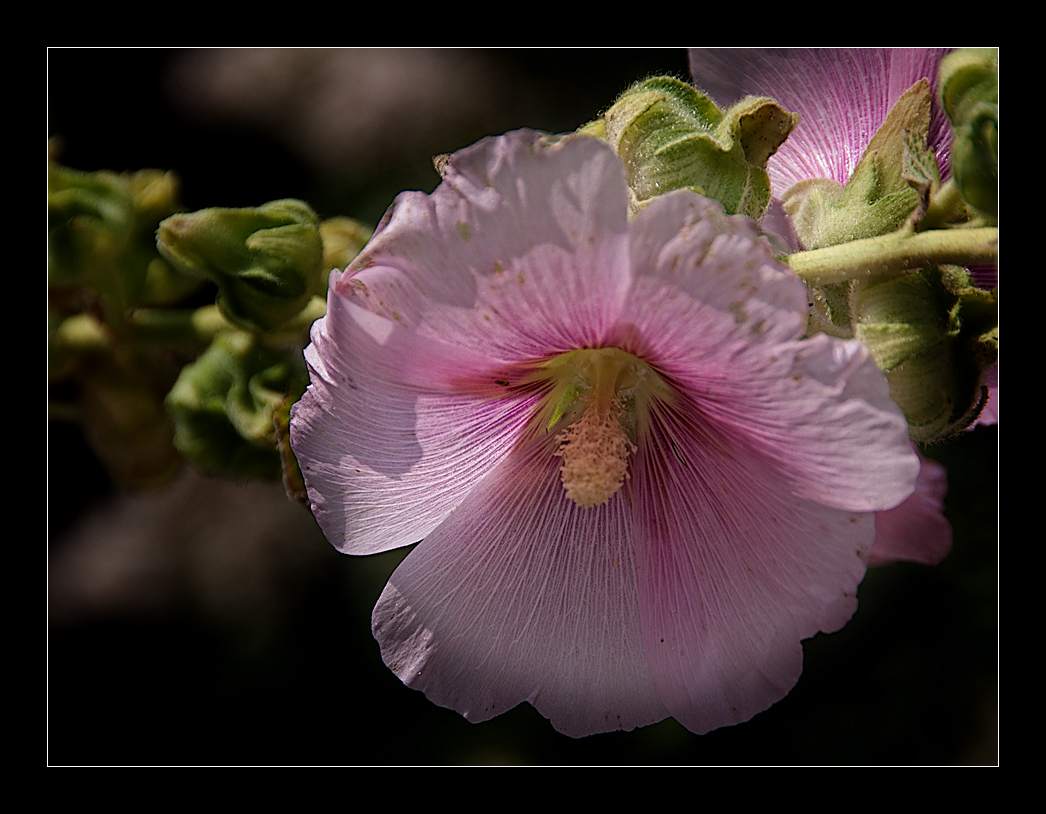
(900, 252)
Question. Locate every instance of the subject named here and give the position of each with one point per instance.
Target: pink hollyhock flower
(636, 488)
(842, 96)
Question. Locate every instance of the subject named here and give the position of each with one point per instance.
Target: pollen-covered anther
(595, 451)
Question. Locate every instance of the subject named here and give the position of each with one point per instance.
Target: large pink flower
(636, 488)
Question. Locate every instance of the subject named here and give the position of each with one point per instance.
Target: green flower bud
(90, 216)
(155, 195)
(934, 335)
(343, 238)
(969, 91)
(670, 136)
(975, 160)
(967, 79)
(896, 173)
(70, 337)
(102, 229)
(266, 261)
(224, 406)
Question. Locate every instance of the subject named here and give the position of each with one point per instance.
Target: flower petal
(734, 571)
(917, 530)
(524, 248)
(721, 320)
(522, 596)
(395, 428)
(842, 95)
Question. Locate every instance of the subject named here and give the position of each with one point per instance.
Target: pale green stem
(897, 253)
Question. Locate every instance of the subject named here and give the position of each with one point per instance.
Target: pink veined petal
(520, 252)
(707, 285)
(395, 428)
(521, 596)
(917, 530)
(842, 96)
(721, 321)
(734, 571)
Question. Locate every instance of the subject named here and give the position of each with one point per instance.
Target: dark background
(210, 622)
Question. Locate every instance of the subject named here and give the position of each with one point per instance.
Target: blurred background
(209, 622)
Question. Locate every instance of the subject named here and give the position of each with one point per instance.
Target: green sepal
(920, 171)
(890, 185)
(934, 335)
(267, 261)
(293, 480)
(225, 404)
(670, 136)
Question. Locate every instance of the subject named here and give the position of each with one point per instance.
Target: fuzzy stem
(897, 253)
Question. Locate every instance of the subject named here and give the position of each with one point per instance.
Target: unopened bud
(670, 136)
(224, 406)
(935, 336)
(343, 238)
(90, 218)
(266, 260)
(969, 90)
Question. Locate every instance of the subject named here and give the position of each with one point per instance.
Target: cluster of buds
(154, 377)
